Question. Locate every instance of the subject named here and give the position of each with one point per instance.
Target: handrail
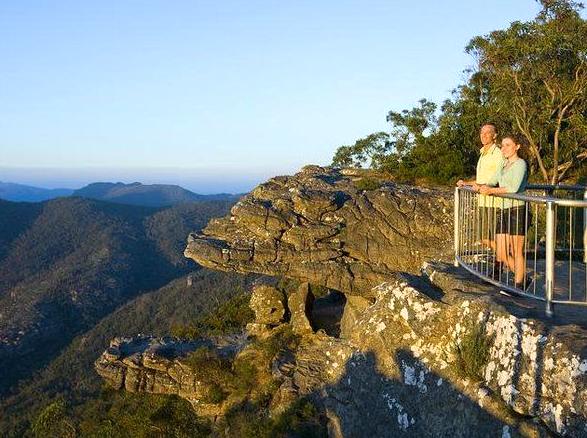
(553, 232)
(542, 199)
(575, 187)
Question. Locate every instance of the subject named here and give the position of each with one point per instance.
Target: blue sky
(217, 95)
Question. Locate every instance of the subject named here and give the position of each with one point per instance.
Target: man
(490, 161)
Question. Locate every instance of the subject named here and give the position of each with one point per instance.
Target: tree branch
(533, 148)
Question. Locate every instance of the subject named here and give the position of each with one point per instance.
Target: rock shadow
(424, 285)
(418, 403)
(327, 311)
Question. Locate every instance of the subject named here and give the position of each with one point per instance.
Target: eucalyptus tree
(537, 74)
(369, 151)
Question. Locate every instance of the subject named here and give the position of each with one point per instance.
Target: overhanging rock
(319, 226)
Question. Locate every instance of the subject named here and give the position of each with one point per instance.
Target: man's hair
(492, 125)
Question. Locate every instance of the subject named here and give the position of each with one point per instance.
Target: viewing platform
(550, 224)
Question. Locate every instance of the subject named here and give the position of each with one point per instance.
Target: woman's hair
(519, 139)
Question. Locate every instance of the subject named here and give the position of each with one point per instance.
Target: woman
(514, 218)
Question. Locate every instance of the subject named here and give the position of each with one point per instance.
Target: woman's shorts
(514, 221)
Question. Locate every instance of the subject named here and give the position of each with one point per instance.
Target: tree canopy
(537, 72)
(530, 78)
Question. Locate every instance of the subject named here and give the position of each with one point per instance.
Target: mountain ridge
(155, 195)
(25, 193)
(136, 193)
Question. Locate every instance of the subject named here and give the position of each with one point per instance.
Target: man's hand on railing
(464, 182)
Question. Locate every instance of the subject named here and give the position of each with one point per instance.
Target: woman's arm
(510, 181)
(487, 189)
(462, 182)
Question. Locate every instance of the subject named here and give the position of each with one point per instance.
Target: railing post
(585, 229)
(456, 226)
(550, 244)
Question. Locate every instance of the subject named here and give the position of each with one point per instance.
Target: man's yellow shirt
(488, 164)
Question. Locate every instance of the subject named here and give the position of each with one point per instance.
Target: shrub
(222, 375)
(368, 184)
(209, 366)
(230, 317)
(245, 374)
(214, 371)
(215, 394)
(53, 421)
(284, 338)
(120, 414)
(301, 419)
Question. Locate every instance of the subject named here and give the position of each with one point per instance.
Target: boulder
(268, 304)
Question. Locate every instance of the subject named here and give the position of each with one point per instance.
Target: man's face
(487, 135)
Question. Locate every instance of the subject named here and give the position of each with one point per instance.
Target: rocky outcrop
(300, 305)
(318, 226)
(400, 369)
(424, 349)
(146, 364)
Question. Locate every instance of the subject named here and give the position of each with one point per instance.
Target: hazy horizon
(198, 180)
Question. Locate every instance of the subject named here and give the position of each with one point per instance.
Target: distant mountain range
(148, 195)
(23, 193)
(151, 195)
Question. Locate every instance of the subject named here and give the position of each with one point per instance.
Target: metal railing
(532, 244)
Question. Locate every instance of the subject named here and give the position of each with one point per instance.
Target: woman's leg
(518, 259)
(501, 247)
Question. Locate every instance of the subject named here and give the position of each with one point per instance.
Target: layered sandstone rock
(317, 226)
(396, 371)
(145, 364)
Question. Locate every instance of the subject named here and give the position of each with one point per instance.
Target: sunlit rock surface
(318, 226)
(395, 370)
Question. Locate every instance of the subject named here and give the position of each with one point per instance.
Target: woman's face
(509, 148)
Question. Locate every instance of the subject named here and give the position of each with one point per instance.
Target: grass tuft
(473, 353)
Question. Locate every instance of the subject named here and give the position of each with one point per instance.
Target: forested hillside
(67, 263)
(71, 376)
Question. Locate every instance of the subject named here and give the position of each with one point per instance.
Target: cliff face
(319, 226)
(407, 364)
(423, 349)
